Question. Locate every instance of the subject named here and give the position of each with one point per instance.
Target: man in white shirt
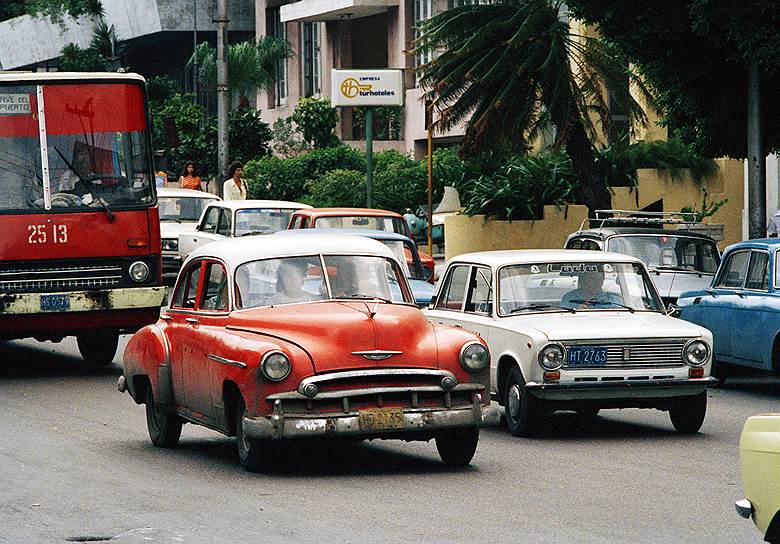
(774, 224)
(234, 187)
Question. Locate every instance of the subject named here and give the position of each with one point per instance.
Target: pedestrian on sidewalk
(234, 187)
(189, 178)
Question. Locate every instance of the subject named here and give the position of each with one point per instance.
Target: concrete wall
(464, 234)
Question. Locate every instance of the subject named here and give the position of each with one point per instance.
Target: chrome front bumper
(418, 420)
(592, 390)
(744, 508)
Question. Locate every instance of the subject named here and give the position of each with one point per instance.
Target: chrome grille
(56, 278)
(648, 354)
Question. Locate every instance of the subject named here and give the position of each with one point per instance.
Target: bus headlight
(139, 271)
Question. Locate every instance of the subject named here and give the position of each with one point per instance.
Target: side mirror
(673, 310)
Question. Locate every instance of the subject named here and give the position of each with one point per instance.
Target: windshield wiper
(669, 267)
(367, 297)
(111, 216)
(602, 303)
(541, 306)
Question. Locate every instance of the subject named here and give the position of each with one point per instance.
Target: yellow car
(759, 451)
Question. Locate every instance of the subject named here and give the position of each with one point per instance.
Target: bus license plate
(586, 356)
(380, 419)
(55, 303)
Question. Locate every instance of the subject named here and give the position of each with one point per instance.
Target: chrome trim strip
(295, 395)
(224, 361)
(372, 373)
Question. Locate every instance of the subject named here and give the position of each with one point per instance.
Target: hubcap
(514, 402)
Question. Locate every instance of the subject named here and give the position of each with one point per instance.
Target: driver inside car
(289, 285)
(590, 292)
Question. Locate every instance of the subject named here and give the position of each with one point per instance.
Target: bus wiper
(111, 216)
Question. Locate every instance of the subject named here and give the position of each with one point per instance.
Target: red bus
(80, 244)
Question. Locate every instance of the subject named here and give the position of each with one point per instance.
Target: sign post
(367, 88)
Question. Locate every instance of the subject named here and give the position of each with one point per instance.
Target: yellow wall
(463, 234)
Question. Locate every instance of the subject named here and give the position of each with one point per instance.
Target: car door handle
(741, 294)
(166, 317)
(191, 320)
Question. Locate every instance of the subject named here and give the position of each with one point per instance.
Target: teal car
(742, 306)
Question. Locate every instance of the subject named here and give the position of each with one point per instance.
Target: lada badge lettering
(626, 354)
(377, 354)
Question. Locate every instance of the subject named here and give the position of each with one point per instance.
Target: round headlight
(170, 244)
(474, 357)
(275, 366)
(139, 271)
(551, 357)
(696, 353)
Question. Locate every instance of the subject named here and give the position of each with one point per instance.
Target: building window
(458, 3)
(278, 29)
(422, 11)
(312, 80)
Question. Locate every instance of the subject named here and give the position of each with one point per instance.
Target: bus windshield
(73, 147)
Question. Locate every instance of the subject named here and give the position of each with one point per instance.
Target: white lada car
(576, 330)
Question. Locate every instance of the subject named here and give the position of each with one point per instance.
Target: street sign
(367, 87)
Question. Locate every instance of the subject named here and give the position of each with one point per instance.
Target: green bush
(521, 187)
(338, 188)
(316, 119)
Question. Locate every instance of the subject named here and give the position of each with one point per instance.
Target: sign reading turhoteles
(367, 87)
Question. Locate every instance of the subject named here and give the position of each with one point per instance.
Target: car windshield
(575, 286)
(253, 221)
(669, 252)
(95, 138)
(182, 209)
(368, 222)
(288, 280)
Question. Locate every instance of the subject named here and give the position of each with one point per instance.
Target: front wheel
(523, 410)
(457, 446)
(252, 453)
(164, 426)
(687, 413)
(98, 348)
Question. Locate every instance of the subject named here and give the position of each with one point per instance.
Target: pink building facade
(327, 34)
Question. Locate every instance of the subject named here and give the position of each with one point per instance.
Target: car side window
(210, 220)
(296, 222)
(583, 243)
(306, 223)
(479, 299)
(735, 270)
(187, 288)
(214, 295)
(758, 272)
(454, 289)
(223, 225)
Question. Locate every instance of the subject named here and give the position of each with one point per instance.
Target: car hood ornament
(377, 354)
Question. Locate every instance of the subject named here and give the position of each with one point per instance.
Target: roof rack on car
(634, 217)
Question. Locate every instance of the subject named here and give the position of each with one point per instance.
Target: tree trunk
(593, 191)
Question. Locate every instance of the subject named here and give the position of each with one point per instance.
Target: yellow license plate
(380, 419)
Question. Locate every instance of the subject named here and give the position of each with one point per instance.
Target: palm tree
(512, 68)
(251, 67)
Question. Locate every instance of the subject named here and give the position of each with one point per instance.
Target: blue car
(742, 306)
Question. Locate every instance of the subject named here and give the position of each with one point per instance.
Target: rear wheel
(523, 410)
(457, 446)
(164, 426)
(687, 413)
(98, 348)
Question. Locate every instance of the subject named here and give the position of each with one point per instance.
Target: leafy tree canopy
(54, 9)
(695, 55)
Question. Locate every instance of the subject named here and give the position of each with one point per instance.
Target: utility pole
(195, 73)
(369, 157)
(756, 158)
(223, 97)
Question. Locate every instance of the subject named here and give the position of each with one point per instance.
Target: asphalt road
(76, 464)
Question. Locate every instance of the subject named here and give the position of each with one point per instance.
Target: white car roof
(168, 192)
(245, 204)
(496, 259)
(237, 251)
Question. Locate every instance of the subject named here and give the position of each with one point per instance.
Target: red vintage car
(306, 337)
(360, 218)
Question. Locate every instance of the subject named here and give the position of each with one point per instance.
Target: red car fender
(147, 356)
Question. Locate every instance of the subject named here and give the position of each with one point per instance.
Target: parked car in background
(742, 306)
(400, 245)
(759, 453)
(180, 211)
(238, 218)
(359, 218)
(285, 340)
(576, 330)
(677, 260)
